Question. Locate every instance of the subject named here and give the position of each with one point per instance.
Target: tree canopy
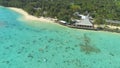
(64, 9)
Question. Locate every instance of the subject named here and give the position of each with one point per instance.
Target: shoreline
(29, 17)
(109, 26)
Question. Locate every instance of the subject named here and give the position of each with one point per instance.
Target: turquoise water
(27, 44)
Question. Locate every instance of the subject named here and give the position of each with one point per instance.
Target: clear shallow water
(45, 45)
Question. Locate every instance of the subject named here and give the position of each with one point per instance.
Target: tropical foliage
(64, 9)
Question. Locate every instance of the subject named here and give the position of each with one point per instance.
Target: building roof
(82, 16)
(85, 22)
(63, 21)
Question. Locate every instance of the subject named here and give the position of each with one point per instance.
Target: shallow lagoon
(27, 44)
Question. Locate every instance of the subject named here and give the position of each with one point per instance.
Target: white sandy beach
(43, 19)
(109, 26)
(113, 27)
(30, 17)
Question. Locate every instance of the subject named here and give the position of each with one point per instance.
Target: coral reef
(87, 48)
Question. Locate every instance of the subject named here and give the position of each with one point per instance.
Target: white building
(84, 22)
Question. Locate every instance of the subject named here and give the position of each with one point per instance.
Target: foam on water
(46, 45)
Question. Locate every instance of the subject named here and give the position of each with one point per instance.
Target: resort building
(84, 22)
(63, 22)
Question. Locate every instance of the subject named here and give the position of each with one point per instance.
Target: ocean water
(32, 44)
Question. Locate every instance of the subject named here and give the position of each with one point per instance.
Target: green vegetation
(64, 9)
(99, 21)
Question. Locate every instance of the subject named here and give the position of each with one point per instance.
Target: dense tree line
(64, 9)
